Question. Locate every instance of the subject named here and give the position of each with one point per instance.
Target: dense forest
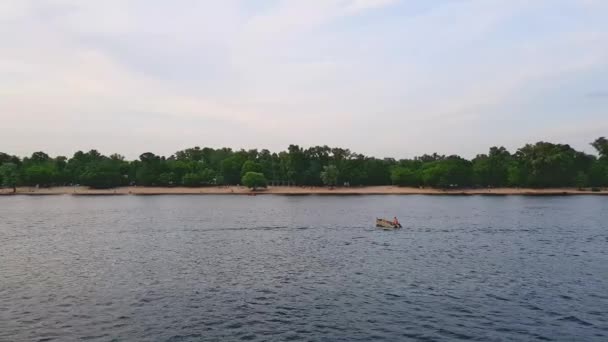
(537, 165)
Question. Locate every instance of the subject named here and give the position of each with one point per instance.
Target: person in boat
(395, 221)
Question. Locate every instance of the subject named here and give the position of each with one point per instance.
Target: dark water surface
(271, 268)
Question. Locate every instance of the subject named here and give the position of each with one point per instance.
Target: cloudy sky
(382, 77)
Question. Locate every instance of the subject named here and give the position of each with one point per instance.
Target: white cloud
(360, 5)
(208, 72)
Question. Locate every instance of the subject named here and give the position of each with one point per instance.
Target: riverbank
(280, 190)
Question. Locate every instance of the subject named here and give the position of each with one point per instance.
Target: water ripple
(303, 268)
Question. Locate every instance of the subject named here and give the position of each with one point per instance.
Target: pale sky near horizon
(386, 78)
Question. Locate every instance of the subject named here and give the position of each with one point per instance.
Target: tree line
(539, 165)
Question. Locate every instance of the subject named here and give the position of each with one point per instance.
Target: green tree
(378, 171)
(403, 176)
(515, 176)
(104, 173)
(254, 180)
(296, 164)
(192, 180)
(481, 170)
(329, 176)
(267, 164)
(80, 163)
(582, 180)
(191, 154)
(167, 179)
(9, 173)
(207, 176)
(40, 174)
(492, 169)
(60, 166)
(176, 169)
(551, 165)
(6, 158)
(251, 166)
(39, 157)
(149, 168)
(447, 172)
(601, 145)
(230, 169)
(100, 178)
(430, 174)
(200, 178)
(536, 165)
(598, 174)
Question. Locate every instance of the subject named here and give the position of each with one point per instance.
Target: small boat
(387, 224)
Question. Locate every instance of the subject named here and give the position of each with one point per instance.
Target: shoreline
(296, 191)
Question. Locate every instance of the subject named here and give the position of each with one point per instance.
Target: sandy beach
(237, 190)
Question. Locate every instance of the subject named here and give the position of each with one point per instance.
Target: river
(303, 268)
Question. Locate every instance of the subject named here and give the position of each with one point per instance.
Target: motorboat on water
(388, 224)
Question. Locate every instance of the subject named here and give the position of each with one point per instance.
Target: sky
(386, 78)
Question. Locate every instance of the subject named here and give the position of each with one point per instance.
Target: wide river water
(312, 268)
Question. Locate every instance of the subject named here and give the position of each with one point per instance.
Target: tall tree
(330, 175)
(403, 176)
(9, 174)
(6, 158)
(231, 168)
(254, 180)
(601, 145)
(150, 168)
(251, 166)
(536, 165)
(39, 174)
(296, 164)
(492, 169)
